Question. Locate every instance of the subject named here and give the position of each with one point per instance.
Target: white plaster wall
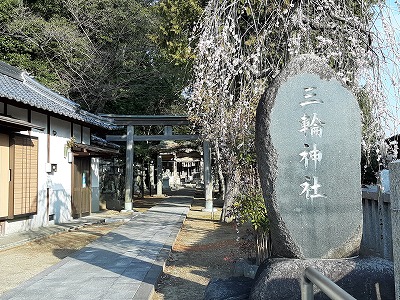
(18, 225)
(60, 181)
(78, 133)
(86, 136)
(17, 112)
(41, 219)
(95, 180)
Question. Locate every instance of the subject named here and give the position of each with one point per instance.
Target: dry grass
(205, 248)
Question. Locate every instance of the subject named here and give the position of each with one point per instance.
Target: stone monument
(308, 142)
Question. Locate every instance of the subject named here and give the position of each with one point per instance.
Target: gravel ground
(204, 249)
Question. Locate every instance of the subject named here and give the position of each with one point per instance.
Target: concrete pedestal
(128, 206)
(209, 206)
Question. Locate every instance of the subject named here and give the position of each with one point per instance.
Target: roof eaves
(19, 86)
(100, 121)
(10, 71)
(49, 94)
(102, 142)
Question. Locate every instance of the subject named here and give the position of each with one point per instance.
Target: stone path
(124, 264)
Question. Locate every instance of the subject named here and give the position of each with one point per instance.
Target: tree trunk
(263, 246)
(221, 180)
(231, 191)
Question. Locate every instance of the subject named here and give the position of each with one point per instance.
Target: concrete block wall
(377, 226)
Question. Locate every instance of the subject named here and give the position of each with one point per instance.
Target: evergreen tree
(100, 53)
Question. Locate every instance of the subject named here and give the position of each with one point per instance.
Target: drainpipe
(47, 175)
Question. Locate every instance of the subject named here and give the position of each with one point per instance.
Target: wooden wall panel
(4, 174)
(24, 165)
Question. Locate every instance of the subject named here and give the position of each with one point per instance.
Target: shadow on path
(123, 264)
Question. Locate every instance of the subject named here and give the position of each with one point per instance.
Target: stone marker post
(208, 185)
(151, 175)
(159, 175)
(308, 143)
(394, 173)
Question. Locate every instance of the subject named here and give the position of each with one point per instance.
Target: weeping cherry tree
(243, 45)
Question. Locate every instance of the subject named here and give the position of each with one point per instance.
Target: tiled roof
(102, 142)
(19, 86)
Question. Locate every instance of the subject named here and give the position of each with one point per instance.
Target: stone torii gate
(130, 121)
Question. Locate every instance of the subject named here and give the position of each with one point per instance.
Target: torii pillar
(129, 168)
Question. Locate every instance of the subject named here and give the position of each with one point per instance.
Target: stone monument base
(233, 288)
(363, 278)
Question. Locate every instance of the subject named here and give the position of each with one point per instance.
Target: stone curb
(149, 284)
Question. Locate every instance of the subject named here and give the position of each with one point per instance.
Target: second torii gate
(130, 121)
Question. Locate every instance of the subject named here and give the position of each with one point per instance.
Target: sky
(392, 127)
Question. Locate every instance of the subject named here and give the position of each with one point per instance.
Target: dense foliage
(177, 18)
(250, 208)
(116, 56)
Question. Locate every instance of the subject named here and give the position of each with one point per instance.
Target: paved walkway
(124, 264)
